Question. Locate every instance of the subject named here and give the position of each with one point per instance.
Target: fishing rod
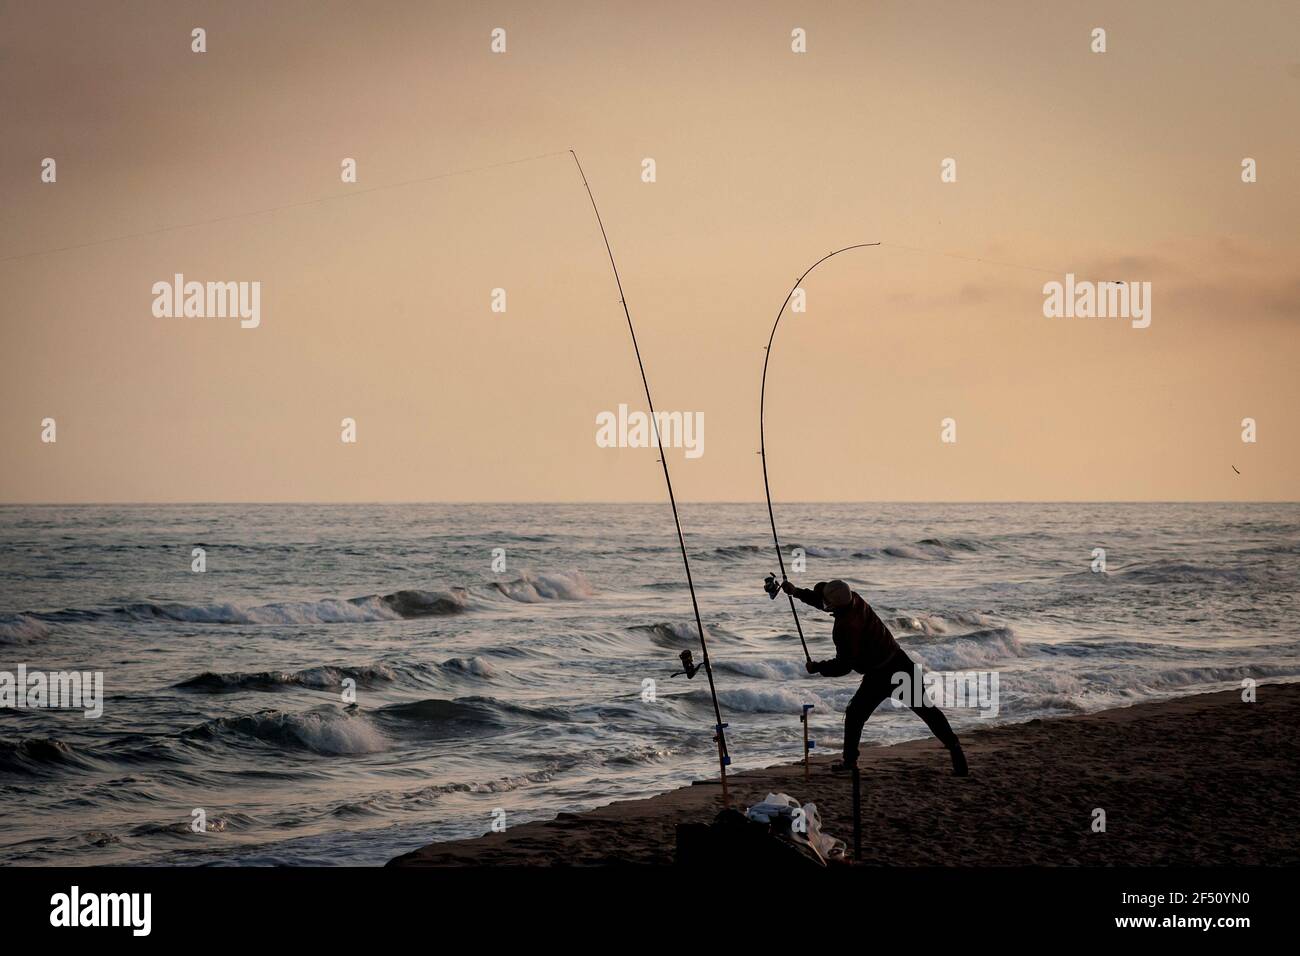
(719, 727)
(771, 585)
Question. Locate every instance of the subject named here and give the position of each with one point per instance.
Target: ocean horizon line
(603, 501)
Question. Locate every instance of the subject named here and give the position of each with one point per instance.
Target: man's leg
(868, 697)
(939, 726)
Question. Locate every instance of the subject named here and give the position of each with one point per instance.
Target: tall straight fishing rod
(720, 735)
(762, 443)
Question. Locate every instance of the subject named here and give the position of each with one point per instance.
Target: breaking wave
(769, 669)
(680, 636)
(21, 628)
(758, 701)
(332, 677)
(327, 731)
(323, 678)
(938, 624)
(528, 588)
(926, 549)
(976, 650)
(36, 755)
(435, 714)
(555, 586)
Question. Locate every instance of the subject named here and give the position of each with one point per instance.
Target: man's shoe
(959, 768)
(844, 766)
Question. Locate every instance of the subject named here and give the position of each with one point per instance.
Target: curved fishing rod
(762, 443)
(723, 758)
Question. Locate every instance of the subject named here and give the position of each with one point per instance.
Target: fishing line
(987, 262)
(270, 209)
(767, 490)
(719, 726)
(762, 402)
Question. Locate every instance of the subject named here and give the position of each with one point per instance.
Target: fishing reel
(690, 668)
(771, 586)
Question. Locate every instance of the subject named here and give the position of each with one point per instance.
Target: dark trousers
(876, 687)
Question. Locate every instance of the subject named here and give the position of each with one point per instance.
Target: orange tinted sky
(375, 306)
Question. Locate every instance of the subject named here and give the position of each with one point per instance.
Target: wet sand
(1203, 780)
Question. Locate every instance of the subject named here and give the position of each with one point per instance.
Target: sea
(327, 685)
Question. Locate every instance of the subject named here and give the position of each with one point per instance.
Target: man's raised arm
(809, 596)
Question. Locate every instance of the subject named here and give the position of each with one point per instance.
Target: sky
(376, 296)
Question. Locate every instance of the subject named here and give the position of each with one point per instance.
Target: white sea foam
(332, 731)
(977, 650)
(532, 587)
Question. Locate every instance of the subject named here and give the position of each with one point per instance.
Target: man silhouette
(864, 644)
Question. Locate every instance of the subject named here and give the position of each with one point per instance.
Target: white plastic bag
(805, 823)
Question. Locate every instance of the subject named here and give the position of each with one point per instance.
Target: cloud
(1222, 276)
(1216, 277)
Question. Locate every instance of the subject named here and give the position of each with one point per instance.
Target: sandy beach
(1201, 780)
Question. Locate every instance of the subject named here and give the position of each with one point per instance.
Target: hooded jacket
(862, 641)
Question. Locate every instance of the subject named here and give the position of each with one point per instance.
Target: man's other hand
(787, 587)
(812, 667)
